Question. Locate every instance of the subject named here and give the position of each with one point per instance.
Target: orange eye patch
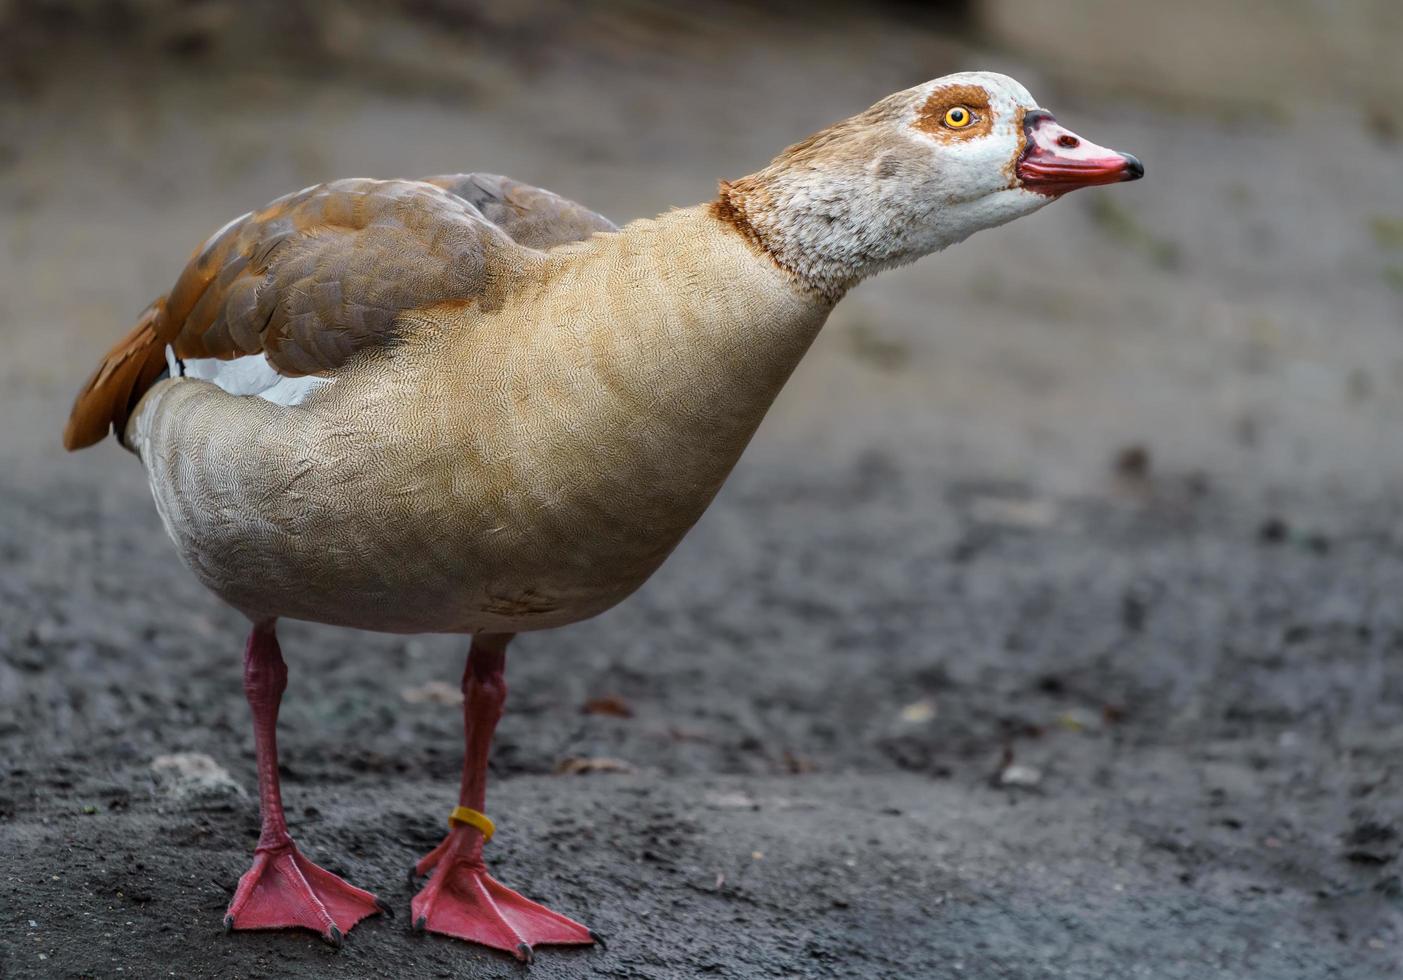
(956, 112)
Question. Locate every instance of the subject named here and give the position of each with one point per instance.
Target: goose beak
(1056, 160)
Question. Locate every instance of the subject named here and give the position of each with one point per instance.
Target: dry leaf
(609, 704)
(577, 765)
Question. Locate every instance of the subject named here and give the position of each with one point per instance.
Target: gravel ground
(1048, 629)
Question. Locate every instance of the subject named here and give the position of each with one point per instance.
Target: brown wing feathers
(320, 274)
(532, 216)
(128, 369)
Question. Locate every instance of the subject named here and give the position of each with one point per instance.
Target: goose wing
(318, 275)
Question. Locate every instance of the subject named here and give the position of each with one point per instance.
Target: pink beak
(1056, 160)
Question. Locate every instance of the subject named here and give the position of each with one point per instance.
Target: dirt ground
(1049, 628)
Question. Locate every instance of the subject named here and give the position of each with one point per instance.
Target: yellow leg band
(473, 818)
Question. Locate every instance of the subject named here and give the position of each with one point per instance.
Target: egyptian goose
(467, 405)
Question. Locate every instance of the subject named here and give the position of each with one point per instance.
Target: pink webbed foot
(463, 900)
(284, 890)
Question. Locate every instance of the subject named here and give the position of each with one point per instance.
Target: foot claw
(525, 953)
(384, 908)
(228, 923)
(334, 937)
(598, 939)
(421, 924)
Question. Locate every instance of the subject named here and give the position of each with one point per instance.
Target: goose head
(920, 170)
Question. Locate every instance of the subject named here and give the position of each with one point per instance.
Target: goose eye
(958, 117)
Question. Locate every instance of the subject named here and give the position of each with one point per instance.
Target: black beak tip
(1134, 169)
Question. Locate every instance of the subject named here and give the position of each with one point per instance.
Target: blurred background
(1060, 586)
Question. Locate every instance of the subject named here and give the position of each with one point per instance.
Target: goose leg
(283, 889)
(462, 899)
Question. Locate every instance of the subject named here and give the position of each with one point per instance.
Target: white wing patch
(252, 375)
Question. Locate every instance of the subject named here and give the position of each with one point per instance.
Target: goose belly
(283, 514)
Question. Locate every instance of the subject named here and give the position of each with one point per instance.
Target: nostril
(1068, 141)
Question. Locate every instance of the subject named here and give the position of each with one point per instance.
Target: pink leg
(462, 899)
(283, 889)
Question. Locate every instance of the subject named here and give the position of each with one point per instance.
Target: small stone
(1273, 530)
(432, 692)
(1014, 512)
(1132, 462)
(919, 712)
(1021, 776)
(195, 778)
(731, 801)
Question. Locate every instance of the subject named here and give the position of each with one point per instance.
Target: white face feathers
(920, 170)
(975, 162)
